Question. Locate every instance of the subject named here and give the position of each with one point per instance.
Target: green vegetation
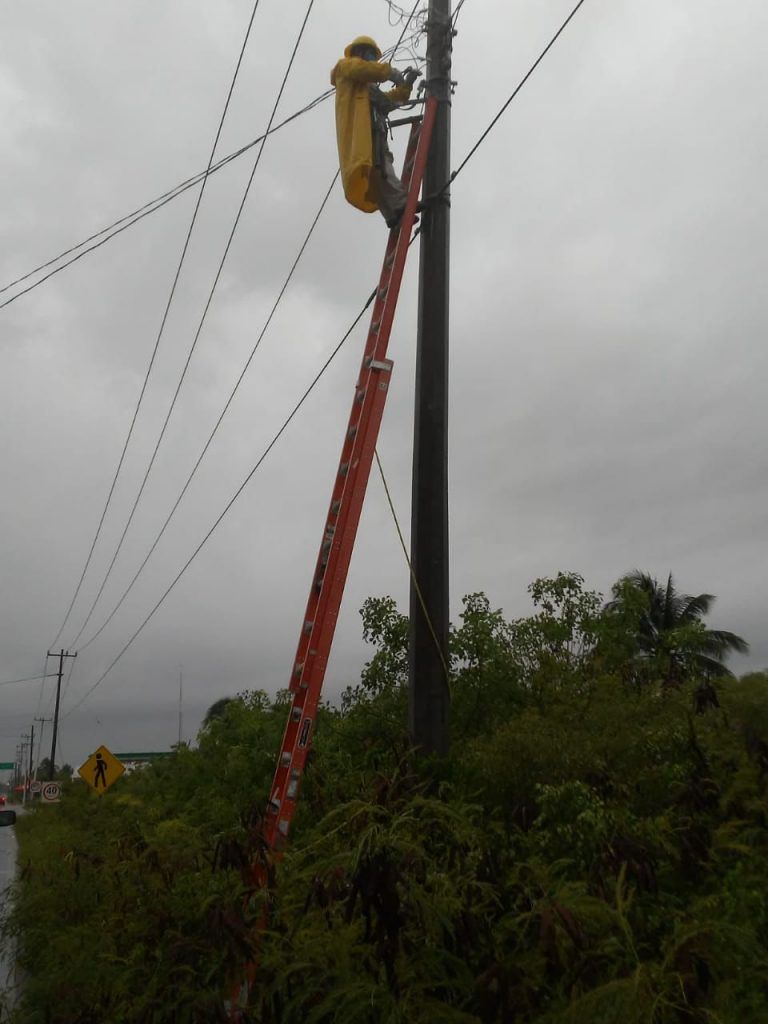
(593, 851)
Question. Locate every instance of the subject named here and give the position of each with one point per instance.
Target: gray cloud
(608, 322)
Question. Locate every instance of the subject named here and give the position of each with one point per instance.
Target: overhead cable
(198, 332)
(42, 685)
(26, 679)
(456, 11)
(411, 42)
(162, 326)
(412, 571)
(68, 679)
(234, 497)
(223, 413)
(144, 211)
(514, 93)
(229, 504)
(129, 219)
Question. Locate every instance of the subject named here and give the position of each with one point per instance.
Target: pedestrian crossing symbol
(101, 769)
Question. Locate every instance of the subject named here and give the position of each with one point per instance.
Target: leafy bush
(594, 849)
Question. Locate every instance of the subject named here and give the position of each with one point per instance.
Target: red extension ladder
(349, 488)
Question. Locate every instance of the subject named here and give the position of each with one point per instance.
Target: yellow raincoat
(352, 77)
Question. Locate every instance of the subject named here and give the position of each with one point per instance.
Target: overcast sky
(608, 361)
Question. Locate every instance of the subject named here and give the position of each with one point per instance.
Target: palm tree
(671, 630)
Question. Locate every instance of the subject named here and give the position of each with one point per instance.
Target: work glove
(410, 75)
(397, 77)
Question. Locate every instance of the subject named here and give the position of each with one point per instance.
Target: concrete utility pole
(61, 656)
(42, 722)
(28, 739)
(31, 759)
(429, 697)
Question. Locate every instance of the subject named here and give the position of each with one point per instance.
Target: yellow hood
(363, 41)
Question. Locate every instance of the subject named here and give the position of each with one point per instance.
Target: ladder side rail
(381, 326)
(381, 330)
(335, 518)
(334, 526)
(409, 214)
(301, 722)
(339, 535)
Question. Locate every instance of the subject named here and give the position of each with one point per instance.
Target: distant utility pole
(61, 656)
(31, 758)
(429, 696)
(27, 739)
(42, 722)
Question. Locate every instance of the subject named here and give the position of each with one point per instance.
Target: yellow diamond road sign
(101, 769)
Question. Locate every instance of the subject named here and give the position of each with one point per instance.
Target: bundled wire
(26, 679)
(130, 219)
(200, 325)
(223, 413)
(163, 322)
(312, 385)
(229, 504)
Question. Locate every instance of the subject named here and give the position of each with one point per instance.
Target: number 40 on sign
(101, 770)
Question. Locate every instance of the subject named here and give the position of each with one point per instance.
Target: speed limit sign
(51, 792)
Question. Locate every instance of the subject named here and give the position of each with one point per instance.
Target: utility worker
(367, 168)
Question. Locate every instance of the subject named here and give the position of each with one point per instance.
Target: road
(7, 873)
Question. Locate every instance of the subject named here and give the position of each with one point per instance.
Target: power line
(144, 211)
(410, 43)
(311, 386)
(456, 11)
(235, 496)
(516, 90)
(129, 219)
(26, 679)
(229, 504)
(69, 676)
(162, 323)
(409, 563)
(207, 306)
(221, 416)
(42, 686)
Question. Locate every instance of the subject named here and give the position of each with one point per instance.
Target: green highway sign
(7, 766)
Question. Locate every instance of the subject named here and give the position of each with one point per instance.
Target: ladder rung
(354, 465)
